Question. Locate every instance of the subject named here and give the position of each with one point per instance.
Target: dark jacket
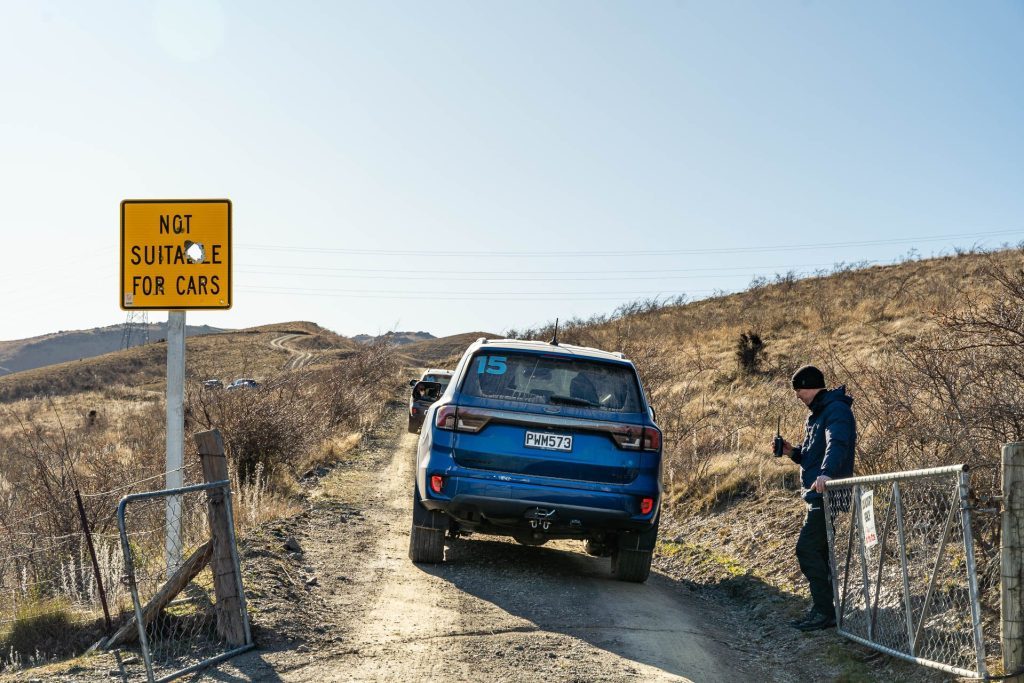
(829, 438)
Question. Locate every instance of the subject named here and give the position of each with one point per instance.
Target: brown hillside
(48, 349)
(931, 350)
(226, 356)
(443, 351)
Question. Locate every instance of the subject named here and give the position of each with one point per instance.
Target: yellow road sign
(175, 254)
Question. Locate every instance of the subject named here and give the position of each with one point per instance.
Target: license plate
(548, 442)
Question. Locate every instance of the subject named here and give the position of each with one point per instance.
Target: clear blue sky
(464, 132)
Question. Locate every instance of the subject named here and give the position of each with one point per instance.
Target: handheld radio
(777, 444)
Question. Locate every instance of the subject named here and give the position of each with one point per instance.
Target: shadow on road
(559, 590)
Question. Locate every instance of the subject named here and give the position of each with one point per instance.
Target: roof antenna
(554, 340)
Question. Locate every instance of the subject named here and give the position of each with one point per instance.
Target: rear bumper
(511, 507)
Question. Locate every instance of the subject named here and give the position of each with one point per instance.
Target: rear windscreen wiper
(571, 400)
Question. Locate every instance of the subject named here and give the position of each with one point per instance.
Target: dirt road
(353, 607)
(350, 606)
(296, 358)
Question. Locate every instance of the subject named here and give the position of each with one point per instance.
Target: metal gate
(904, 578)
(199, 562)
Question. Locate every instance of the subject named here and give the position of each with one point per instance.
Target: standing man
(825, 453)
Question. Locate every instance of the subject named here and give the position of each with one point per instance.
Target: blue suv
(540, 441)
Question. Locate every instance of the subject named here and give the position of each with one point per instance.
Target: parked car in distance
(243, 383)
(541, 441)
(424, 396)
(213, 384)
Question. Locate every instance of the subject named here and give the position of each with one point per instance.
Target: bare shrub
(49, 447)
(750, 352)
(265, 427)
(355, 391)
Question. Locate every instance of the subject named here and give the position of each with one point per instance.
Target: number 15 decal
(492, 365)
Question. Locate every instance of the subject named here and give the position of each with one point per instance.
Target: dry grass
(933, 382)
(108, 439)
(443, 352)
(226, 356)
(932, 351)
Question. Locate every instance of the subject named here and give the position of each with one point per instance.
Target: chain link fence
(905, 576)
(185, 580)
(54, 598)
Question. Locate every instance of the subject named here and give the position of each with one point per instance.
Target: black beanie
(809, 377)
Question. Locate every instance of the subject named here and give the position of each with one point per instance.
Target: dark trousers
(812, 553)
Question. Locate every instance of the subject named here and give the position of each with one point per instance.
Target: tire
(528, 539)
(631, 565)
(414, 427)
(426, 538)
(632, 554)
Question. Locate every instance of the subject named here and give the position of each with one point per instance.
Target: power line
(542, 272)
(474, 296)
(506, 279)
(629, 252)
(418, 292)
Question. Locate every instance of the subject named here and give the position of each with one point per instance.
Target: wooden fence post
(1011, 560)
(229, 606)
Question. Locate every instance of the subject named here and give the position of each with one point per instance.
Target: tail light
(450, 418)
(646, 505)
(415, 410)
(445, 417)
(652, 439)
(437, 483)
(647, 438)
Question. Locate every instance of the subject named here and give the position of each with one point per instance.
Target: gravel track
(494, 610)
(352, 607)
(296, 357)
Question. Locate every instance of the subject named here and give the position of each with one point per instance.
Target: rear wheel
(426, 539)
(631, 555)
(529, 539)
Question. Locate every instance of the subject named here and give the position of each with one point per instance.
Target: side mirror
(426, 391)
(412, 382)
(654, 415)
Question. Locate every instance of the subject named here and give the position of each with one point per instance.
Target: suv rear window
(440, 379)
(553, 380)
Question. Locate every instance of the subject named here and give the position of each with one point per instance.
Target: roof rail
(620, 354)
(481, 340)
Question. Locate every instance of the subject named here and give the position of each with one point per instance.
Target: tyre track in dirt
(494, 610)
(297, 358)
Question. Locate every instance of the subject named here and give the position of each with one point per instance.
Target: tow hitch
(540, 517)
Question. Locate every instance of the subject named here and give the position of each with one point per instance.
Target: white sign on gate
(867, 518)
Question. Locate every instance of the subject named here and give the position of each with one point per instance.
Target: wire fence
(186, 585)
(916, 567)
(51, 590)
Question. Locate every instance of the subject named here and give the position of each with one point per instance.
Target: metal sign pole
(175, 434)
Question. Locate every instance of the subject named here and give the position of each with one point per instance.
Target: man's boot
(817, 622)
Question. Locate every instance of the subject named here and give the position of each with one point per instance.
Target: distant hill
(228, 355)
(443, 351)
(396, 338)
(59, 347)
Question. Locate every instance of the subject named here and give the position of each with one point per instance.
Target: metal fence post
(972, 570)
(1011, 560)
(866, 585)
(902, 539)
(95, 564)
(129, 567)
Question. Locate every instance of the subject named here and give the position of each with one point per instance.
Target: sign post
(175, 256)
(174, 478)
